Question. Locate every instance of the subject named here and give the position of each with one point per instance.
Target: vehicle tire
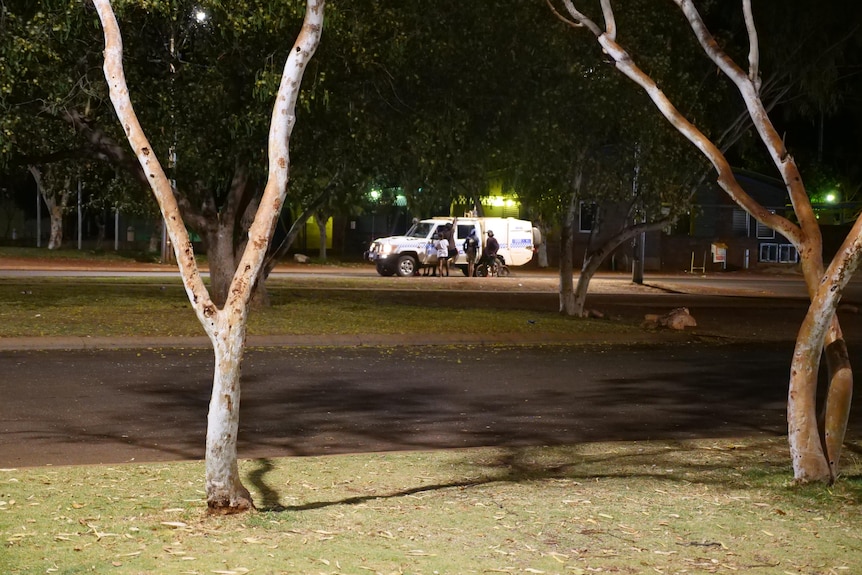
(385, 271)
(481, 270)
(406, 266)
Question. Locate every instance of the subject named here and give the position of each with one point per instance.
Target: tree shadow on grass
(759, 464)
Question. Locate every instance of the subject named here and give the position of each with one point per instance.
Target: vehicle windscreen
(420, 230)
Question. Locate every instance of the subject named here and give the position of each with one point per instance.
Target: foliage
(587, 117)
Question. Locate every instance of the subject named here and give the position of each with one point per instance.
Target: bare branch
(610, 20)
(754, 48)
(155, 175)
(562, 18)
(581, 19)
(281, 127)
(759, 116)
(726, 178)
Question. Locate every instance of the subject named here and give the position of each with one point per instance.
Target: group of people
(443, 247)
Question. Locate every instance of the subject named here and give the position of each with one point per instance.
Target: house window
(765, 232)
(778, 253)
(787, 254)
(587, 219)
(768, 253)
(739, 224)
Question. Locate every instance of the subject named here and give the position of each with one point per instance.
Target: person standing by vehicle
(430, 259)
(471, 251)
(453, 247)
(489, 255)
(442, 245)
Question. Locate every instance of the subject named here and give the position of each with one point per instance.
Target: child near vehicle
(431, 262)
(442, 245)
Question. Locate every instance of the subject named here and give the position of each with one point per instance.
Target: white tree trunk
(224, 488)
(821, 327)
(225, 326)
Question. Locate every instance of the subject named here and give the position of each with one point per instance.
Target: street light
(200, 16)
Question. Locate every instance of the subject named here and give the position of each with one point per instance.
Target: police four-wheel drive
(405, 255)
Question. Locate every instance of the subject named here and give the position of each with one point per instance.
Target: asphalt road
(68, 407)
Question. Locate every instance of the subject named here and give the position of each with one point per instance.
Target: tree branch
(105, 145)
(759, 116)
(754, 48)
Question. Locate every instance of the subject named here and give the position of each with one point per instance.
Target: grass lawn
(700, 506)
(120, 307)
(646, 507)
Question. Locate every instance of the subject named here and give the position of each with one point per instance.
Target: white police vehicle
(405, 255)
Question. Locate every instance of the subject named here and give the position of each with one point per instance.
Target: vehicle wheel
(385, 271)
(481, 271)
(406, 266)
(503, 271)
(464, 269)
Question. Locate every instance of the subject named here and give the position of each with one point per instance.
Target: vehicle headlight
(386, 249)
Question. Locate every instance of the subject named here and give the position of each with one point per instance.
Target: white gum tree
(226, 325)
(815, 443)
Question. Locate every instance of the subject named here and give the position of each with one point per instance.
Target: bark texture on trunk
(838, 398)
(320, 220)
(225, 491)
(55, 240)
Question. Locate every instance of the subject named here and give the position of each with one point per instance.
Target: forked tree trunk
(226, 325)
(594, 258)
(814, 451)
(56, 201)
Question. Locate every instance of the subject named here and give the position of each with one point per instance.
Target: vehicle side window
(463, 231)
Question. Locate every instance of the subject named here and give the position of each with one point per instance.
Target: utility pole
(80, 214)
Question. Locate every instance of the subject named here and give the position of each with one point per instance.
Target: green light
(830, 197)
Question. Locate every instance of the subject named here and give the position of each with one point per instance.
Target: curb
(81, 343)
